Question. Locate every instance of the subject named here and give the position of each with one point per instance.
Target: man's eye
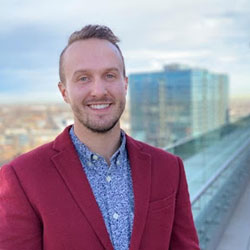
(84, 78)
(110, 76)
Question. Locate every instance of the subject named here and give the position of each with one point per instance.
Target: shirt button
(89, 163)
(108, 178)
(115, 216)
(118, 162)
(95, 157)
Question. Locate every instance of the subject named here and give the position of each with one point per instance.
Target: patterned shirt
(112, 188)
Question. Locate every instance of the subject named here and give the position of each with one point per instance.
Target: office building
(176, 103)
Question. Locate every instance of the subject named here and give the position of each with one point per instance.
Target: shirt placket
(112, 213)
(119, 225)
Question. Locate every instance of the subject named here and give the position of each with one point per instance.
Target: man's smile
(99, 106)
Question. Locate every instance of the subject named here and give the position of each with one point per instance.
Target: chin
(101, 129)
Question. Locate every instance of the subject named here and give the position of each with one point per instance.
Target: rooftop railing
(218, 168)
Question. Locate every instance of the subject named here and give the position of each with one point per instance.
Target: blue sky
(208, 34)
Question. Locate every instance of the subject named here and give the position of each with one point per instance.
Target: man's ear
(63, 91)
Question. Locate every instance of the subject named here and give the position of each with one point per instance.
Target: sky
(213, 35)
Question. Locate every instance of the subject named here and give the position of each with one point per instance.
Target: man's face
(95, 86)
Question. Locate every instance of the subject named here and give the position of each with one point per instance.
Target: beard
(98, 124)
(99, 129)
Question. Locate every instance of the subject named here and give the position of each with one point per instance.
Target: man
(94, 187)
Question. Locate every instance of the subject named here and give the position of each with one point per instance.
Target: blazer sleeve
(20, 227)
(184, 234)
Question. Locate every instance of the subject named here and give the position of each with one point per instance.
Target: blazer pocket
(162, 204)
(159, 223)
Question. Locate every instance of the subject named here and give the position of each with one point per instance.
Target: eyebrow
(112, 69)
(80, 72)
(88, 70)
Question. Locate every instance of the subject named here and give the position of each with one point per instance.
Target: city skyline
(202, 34)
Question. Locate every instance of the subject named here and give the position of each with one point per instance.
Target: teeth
(99, 106)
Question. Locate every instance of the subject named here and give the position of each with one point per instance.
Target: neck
(104, 144)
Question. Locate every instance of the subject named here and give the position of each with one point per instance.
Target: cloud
(210, 34)
(29, 46)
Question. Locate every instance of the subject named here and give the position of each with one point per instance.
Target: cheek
(76, 95)
(124, 93)
(120, 91)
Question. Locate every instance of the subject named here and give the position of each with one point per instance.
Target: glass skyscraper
(176, 103)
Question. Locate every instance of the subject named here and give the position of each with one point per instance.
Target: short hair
(87, 32)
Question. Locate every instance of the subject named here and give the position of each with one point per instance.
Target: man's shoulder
(33, 156)
(40, 155)
(152, 150)
(164, 165)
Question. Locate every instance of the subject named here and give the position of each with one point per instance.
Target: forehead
(91, 54)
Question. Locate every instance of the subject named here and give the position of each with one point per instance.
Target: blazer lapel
(70, 169)
(140, 163)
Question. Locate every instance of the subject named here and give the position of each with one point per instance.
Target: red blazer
(47, 203)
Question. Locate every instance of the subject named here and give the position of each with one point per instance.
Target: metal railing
(220, 171)
(215, 202)
(190, 146)
(223, 181)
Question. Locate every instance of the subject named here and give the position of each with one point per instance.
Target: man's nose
(98, 88)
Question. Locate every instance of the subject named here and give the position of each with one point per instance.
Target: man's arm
(184, 234)
(20, 227)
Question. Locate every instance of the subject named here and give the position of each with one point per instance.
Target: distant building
(177, 102)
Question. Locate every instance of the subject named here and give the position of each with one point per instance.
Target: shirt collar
(84, 151)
